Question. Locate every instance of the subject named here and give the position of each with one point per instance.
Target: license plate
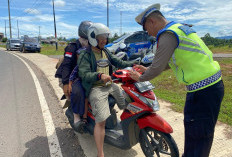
(144, 86)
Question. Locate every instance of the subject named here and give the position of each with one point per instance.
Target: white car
(13, 44)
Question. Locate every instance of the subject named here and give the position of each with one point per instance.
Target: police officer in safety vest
(179, 46)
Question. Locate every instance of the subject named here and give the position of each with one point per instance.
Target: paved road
(222, 141)
(22, 128)
(222, 55)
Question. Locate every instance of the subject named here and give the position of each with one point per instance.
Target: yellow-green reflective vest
(192, 61)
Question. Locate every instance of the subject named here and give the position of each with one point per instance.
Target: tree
(72, 40)
(115, 37)
(4, 39)
(207, 35)
(215, 41)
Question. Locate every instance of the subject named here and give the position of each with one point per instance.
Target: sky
(36, 16)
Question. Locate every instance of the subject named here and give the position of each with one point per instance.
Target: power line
(35, 5)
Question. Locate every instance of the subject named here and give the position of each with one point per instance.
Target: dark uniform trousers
(200, 116)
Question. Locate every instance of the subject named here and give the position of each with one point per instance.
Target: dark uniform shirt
(69, 63)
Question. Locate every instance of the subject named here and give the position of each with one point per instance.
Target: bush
(4, 40)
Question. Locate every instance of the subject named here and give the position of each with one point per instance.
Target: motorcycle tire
(161, 144)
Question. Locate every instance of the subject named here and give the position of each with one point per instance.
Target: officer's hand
(139, 68)
(70, 87)
(106, 78)
(66, 91)
(134, 75)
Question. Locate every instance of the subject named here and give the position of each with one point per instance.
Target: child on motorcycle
(79, 102)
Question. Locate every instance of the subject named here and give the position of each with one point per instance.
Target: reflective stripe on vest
(204, 82)
(192, 61)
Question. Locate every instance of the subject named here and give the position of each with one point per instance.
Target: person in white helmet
(94, 77)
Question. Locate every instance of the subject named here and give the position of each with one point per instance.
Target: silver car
(13, 44)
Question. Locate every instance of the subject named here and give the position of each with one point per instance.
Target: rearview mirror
(152, 39)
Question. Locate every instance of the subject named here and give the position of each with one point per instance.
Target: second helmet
(95, 30)
(83, 29)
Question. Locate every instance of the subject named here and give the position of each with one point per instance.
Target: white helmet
(95, 30)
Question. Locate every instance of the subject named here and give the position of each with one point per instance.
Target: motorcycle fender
(156, 122)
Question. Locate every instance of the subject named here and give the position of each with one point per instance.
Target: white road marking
(53, 141)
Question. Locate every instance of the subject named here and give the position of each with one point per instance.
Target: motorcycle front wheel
(156, 143)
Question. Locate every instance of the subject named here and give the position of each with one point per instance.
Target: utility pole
(5, 29)
(54, 23)
(39, 34)
(107, 13)
(18, 28)
(9, 18)
(120, 22)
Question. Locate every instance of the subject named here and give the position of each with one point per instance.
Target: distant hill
(225, 37)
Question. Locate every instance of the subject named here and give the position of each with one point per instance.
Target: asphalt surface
(20, 116)
(22, 131)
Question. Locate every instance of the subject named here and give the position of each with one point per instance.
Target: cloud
(29, 27)
(2, 30)
(32, 11)
(65, 26)
(212, 17)
(100, 2)
(125, 30)
(58, 3)
(98, 17)
(39, 18)
(48, 18)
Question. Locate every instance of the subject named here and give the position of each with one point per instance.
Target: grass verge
(220, 49)
(4, 46)
(51, 50)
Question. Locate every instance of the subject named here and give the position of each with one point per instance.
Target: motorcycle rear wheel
(160, 144)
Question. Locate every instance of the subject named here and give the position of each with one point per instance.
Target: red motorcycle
(139, 121)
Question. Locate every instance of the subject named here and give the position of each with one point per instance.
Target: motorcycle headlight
(154, 104)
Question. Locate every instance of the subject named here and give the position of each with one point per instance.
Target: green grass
(220, 49)
(168, 89)
(3, 46)
(51, 50)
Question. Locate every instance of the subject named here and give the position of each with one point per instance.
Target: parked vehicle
(30, 44)
(13, 44)
(137, 41)
(139, 122)
(144, 58)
